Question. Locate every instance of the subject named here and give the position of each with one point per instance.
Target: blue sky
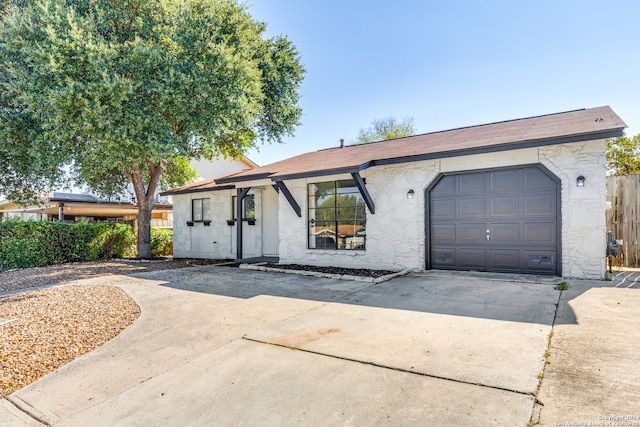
(452, 63)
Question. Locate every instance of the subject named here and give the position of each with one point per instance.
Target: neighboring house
(522, 196)
(57, 206)
(207, 169)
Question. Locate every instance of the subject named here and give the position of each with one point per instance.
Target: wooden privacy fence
(623, 217)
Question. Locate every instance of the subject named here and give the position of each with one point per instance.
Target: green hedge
(39, 243)
(161, 242)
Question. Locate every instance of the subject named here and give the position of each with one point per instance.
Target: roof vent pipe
(341, 143)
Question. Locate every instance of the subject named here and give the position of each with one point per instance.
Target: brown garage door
(503, 220)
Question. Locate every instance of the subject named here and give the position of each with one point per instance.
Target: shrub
(39, 243)
(161, 242)
(119, 242)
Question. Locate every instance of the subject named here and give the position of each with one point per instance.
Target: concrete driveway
(221, 346)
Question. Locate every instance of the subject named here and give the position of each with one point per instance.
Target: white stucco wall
(217, 240)
(200, 241)
(396, 232)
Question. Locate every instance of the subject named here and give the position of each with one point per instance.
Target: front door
(270, 236)
(250, 227)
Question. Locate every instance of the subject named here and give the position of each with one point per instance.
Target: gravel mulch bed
(43, 329)
(335, 270)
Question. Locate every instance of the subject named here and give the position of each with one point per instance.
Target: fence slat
(623, 216)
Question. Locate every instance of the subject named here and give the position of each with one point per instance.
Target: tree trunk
(144, 230)
(145, 198)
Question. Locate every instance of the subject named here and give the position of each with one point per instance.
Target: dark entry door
(503, 220)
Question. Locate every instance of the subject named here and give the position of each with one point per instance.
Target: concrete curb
(262, 267)
(10, 415)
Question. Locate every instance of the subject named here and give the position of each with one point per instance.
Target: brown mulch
(43, 329)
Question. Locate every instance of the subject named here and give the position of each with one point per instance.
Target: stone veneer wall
(396, 232)
(583, 209)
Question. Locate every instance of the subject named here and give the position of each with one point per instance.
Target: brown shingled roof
(571, 126)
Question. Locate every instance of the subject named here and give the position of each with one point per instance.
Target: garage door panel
(540, 260)
(444, 233)
(445, 208)
(473, 233)
(504, 206)
(517, 208)
(472, 258)
(472, 208)
(536, 178)
(446, 185)
(540, 205)
(505, 233)
(471, 183)
(505, 259)
(444, 258)
(504, 180)
(540, 233)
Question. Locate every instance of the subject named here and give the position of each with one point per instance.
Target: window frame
(204, 209)
(245, 210)
(336, 217)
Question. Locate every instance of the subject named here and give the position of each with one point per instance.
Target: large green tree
(120, 91)
(623, 155)
(386, 128)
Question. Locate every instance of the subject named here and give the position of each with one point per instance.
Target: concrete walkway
(222, 346)
(594, 375)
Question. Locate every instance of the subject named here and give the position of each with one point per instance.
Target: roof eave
(611, 133)
(311, 174)
(197, 190)
(250, 177)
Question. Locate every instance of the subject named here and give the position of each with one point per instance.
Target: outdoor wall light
(410, 194)
(580, 181)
